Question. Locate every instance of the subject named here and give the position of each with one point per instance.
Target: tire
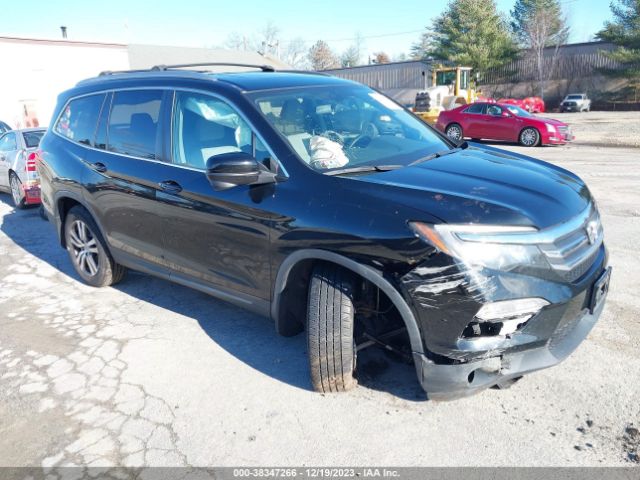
(454, 132)
(330, 319)
(16, 188)
(88, 252)
(529, 137)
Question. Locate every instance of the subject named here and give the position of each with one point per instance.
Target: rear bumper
(32, 194)
(448, 382)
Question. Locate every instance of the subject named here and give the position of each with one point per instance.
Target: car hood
(551, 121)
(481, 185)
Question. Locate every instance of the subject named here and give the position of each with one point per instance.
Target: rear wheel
(529, 137)
(454, 132)
(17, 194)
(88, 252)
(330, 320)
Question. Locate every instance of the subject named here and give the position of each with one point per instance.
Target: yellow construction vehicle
(450, 87)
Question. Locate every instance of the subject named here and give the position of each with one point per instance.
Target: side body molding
(365, 271)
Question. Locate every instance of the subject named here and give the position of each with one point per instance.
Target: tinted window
(475, 108)
(101, 133)
(32, 139)
(78, 119)
(133, 123)
(203, 127)
(8, 142)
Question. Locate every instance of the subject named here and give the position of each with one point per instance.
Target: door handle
(99, 167)
(170, 186)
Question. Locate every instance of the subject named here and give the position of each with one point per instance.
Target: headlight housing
(492, 246)
(550, 128)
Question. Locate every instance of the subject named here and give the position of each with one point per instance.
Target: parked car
(575, 102)
(4, 127)
(328, 207)
(503, 122)
(18, 175)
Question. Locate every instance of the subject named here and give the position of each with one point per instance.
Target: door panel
(122, 187)
(7, 156)
(217, 237)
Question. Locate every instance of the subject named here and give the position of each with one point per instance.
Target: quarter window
(79, 118)
(204, 126)
(133, 123)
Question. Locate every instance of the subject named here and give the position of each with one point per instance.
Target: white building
(35, 71)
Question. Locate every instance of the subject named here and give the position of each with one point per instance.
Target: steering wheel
(369, 131)
(333, 136)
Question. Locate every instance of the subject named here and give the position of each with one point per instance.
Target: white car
(575, 102)
(18, 174)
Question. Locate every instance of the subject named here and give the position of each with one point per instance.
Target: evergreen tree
(470, 33)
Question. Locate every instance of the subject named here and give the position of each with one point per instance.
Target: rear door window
(476, 108)
(133, 123)
(8, 143)
(79, 118)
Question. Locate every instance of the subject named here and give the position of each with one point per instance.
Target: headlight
(496, 247)
(550, 128)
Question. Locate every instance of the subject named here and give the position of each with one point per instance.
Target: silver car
(18, 174)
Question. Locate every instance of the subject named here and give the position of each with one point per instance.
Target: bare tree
(269, 41)
(539, 24)
(295, 54)
(381, 57)
(322, 57)
(236, 41)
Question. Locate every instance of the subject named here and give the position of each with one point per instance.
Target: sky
(386, 26)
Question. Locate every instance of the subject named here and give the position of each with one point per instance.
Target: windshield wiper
(439, 154)
(363, 169)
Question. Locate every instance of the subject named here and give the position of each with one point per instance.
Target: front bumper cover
(448, 382)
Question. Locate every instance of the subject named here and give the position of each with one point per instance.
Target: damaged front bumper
(451, 381)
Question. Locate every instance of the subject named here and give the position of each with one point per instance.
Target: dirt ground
(612, 129)
(151, 373)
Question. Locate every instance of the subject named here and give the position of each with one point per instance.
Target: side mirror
(237, 168)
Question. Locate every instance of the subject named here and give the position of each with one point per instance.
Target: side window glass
(8, 142)
(494, 110)
(474, 108)
(79, 118)
(203, 127)
(133, 123)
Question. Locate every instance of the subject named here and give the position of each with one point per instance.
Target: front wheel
(330, 319)
(529, 137)
(17, 194)
(454, 132)
(88, 252)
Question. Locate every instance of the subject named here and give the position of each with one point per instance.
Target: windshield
(517, 111)
(331, 127)
(574, 97)
(32, 139)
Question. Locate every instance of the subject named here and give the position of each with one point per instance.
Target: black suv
(328, 207)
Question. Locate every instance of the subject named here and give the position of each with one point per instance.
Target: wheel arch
(303, 260)
(64, 201)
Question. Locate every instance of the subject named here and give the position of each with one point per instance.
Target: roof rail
(264, 68)
(162, 68)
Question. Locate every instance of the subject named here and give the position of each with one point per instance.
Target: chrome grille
(574, 252)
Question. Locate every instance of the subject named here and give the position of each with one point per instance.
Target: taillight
(31, 161)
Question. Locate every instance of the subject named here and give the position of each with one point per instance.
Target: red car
(509, 123)
(530, 104)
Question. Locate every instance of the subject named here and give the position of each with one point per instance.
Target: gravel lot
(150, 373)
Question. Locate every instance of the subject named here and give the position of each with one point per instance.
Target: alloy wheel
(16, 190)
(84, 247)
(454, 132)
(529, 137)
